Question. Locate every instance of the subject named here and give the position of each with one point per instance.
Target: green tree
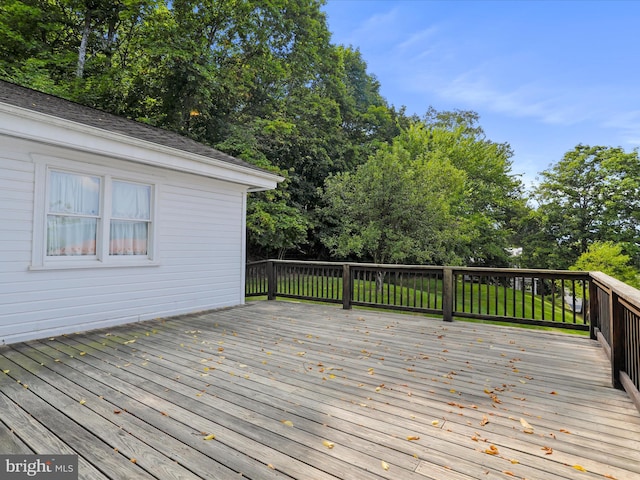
(608, 257)
(395, 208)
(592, 194)
(492, 201)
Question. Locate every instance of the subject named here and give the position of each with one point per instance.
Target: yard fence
(586, 301)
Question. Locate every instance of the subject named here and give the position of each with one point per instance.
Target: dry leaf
(385, 465)
(507, 472)
(211, 436)
(117, 412)
(271, 466)
(484, 421)
(82, 354)
(565, 431)
(83, 401)
(492, 450)
(435, 423)
(288, 423)
(611, 477)
(547, 450)
(514, 461)
(6, 371)
(580, 468)
(133, 460)
(526, 427)
(553, 393)
(413, 438)
(328, 444)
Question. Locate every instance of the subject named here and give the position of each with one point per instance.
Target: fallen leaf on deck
(435, 423)
(565, 431)
(288, 423)
(83, 401)
(547, 450)
(211, 436)
(606, 475)
(553, 393)
(580, 468)
(82, 354)
(507, 472)
(133, 460)
(526, 427)
(514, 461)
(385, 465)
(492, 450)
(117, 412)
(6, 371)
(328, 444)
(271, 466)
(412, 438)
(484, 421)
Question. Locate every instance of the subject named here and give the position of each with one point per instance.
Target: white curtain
(131, 214)
(74, 204)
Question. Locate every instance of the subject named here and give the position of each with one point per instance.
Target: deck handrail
(586, 301)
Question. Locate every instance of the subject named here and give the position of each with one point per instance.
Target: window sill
(74, 265)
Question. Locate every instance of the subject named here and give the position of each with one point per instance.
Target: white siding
(200, 246)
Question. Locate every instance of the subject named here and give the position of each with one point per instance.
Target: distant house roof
(58, 107)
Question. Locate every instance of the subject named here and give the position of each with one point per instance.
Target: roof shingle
(18, 96)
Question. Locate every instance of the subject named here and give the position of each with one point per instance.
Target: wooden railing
(615, 319)
(540, 297)
(586, 301)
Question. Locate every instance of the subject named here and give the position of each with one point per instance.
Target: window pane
(131, 201)
(76, 194)
(128, 238)
(71, 236)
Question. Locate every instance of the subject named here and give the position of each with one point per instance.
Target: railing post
(271, 280)
(617, 340)
(447, 294)
(346, 286)
(594, 309)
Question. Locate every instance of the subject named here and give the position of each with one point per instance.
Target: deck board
(273, 380)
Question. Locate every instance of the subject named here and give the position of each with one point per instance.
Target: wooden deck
(313, 392)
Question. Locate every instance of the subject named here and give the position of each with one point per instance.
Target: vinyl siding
(200, 250)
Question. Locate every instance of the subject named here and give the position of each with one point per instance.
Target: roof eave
(32, 125)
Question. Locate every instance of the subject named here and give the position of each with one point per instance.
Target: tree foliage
(608, 257)
(439, 194)
(591, 195)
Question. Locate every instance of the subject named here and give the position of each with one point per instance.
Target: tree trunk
(82, 51)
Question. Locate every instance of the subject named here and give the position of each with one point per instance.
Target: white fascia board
(28, 124)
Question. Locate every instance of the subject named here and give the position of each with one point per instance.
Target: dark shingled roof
(58, 107)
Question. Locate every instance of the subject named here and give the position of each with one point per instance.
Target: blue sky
(543, 75)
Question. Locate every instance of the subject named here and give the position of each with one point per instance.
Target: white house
(105, 221)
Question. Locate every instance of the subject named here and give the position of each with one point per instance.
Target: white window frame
(39, 258)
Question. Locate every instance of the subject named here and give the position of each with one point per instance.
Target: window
(73, 214)
(93, 219)
(130, 219)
